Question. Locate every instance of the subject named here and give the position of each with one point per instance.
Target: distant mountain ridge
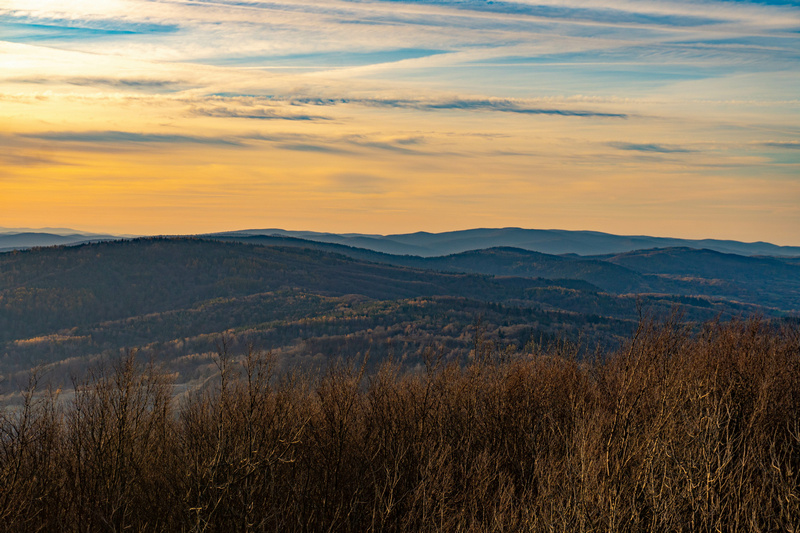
(554, 242)
(21, 241)
(768, 281)
(425, 244)
(57, 231)
(23, 238)
(756, 273)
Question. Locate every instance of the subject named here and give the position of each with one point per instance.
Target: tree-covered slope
(176, 298)
(770, 282)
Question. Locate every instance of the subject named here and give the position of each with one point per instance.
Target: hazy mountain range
(549, 241)
(23, 238)
(760, 274)
(424, 244)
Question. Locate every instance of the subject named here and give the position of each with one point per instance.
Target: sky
(633, 117)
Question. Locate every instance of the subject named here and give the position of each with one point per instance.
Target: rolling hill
(176, 298)
(765, 281)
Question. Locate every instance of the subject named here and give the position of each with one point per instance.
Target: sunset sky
(665, 118)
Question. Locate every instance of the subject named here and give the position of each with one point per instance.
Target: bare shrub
(116, 450)
(680, 430)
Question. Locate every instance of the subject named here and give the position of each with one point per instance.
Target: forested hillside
(175, 299)
(771, 282)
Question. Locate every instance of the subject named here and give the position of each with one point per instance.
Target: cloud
(96, 81)
(126, 83)
(654, 148)
(501, 105)
(125, 137)
(338, 144)
(358, 183)
(305, 147)
(788, 145)
(601, 14)
(618, 12)
(26, 160)
(508, 106)
(254, 113)
(392, 145)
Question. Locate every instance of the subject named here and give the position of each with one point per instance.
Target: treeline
(677, 431)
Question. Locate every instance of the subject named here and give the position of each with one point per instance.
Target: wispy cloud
(606, 13)
(360, 145)
(317, 148)
(507, 106)
(125, 137)
(501, 105)
(650, 147)
(146, 84)
(788, 145)
(358, 183)
(400, 145)
(253, 112)
(26, 160)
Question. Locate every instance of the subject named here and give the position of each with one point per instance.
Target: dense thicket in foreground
(676, 432)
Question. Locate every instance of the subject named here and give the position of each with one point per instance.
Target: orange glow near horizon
(131, 119)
